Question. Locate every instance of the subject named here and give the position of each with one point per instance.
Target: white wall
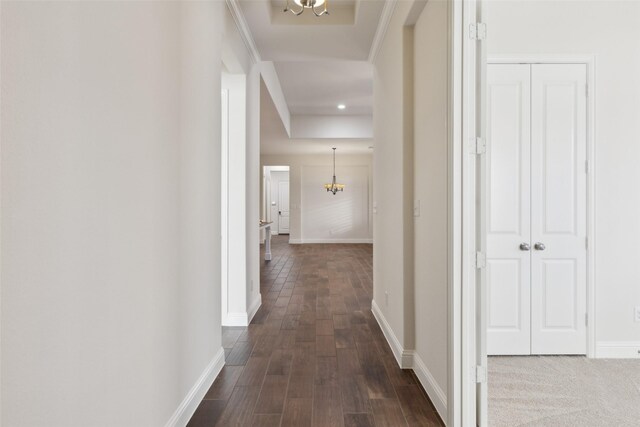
(110, 209)
(610, 30)
(272, 82)
(430, 189)
(254, 174)
(331, 127)
(235, 307)
(393, 178)
(315, 214)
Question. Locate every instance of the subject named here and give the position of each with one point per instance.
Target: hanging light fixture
(308, 4)
(334, 187)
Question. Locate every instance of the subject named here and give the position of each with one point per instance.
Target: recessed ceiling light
(341, 106)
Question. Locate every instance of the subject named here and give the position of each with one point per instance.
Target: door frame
(590, 62)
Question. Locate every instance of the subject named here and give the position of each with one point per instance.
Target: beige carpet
(563, 391)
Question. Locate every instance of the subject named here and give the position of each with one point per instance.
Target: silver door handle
(524, 247)
(539, 246)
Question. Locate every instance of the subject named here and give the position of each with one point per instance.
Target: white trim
(240, 318)
(468, 243)
(190, 403)
(236, 319)
(381, 30)
(245, 32)
(403, 357)
(618, 350)
(328, 241)
(589, 60)
(254, 308)
(541, 59)
(409, 359)
(455, 249)
(430, 385)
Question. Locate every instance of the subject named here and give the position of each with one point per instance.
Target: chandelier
(334, 187)
(308, 4)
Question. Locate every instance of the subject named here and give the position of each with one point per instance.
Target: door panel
(508, 216)
(283, 207)
(558, 211)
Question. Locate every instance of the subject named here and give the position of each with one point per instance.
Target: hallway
(314, 354)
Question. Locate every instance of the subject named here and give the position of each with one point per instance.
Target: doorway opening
(275, 196)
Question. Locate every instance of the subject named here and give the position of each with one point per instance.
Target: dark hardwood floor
(313, 355)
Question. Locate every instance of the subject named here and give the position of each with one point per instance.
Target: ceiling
(310, 38)
(320, 61)
(316, 88)
(274, 138)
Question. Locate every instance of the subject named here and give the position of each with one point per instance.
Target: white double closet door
(536, 219)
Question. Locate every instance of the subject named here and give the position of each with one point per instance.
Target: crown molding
(383, 24)
(243, 27)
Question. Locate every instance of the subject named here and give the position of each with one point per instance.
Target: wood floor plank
(348, 362)
(264, 347)
(223, 386)
(387, 413)
(207, 413)
(272, 395)
(417, 409)
(326, 371)
(324, 327)
(254, 372)
(327, 407)
(359, 420)
(290, 321)
(239, 409)
(378, 384)
(313, 353)
(344, 338)
(280, 363)
(341, 321)
(240, 353)
(355, 394)
(297, 412)
(300, 386)
(325, 345)
(266, 420)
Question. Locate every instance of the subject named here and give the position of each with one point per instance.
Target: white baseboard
(185, 411)
(236, 319)
(328, 241)
(402, 357)
(254, 308)
(437, 396)
(617, 350)
(240, 318)
(409, 359)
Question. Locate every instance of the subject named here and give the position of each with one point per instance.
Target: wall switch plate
(637, 314)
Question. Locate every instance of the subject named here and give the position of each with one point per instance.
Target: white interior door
(558, 226)
(283, 207)
(536, 221)
(508, 217)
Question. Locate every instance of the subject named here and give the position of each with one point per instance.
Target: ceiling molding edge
(243, 27)
(383, 24)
